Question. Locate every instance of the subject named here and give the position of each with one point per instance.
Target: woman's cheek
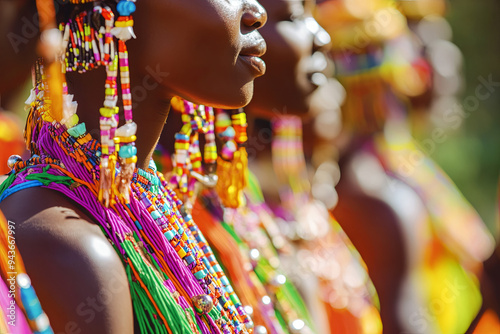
(296, 38)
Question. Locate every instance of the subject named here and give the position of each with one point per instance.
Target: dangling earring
(232, 164)
(125, 135)
(188, 169)
(89, 44)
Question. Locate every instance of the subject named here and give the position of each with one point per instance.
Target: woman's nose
(321, 37)
(254, 15)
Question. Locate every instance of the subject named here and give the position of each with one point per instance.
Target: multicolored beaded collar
(176, 284)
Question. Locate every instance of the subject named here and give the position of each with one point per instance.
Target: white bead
(31, 98)
(126, 130)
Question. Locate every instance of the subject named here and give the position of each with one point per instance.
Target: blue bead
(155, 214)
(200, 274)
(78, 130)
(180, 136)
(229, 132)
(125, 8)
(127, 151)
(30, 300)
(169, 235)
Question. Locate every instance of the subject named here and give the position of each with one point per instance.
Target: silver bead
(297, 325)
(203, 303)
(260, 330)
(23, 281)
(254, 254)
(278, 280)
(266, 300)
(248, 309)
(249, 325)
(12, 160)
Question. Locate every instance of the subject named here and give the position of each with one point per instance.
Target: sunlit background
(471, 155)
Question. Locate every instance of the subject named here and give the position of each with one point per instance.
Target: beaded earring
(188, 168)
(232, 163)
(92, 37)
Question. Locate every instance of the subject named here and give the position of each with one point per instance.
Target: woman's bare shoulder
(77, 274)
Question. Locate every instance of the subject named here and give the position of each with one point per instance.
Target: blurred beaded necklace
(271, 296)
(176, 283)
(321, 252)
(221, 210)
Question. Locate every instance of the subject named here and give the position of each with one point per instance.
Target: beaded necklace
(176, 284)
(321, 250)
(273, 300)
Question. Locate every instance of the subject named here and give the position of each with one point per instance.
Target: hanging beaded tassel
(108, 123)
(232, 163)
(125, 135)
(87, 42)
(117, 144)
(188, 166)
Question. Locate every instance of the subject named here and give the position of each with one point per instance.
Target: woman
(80, 279)
(315, 253)
(416, 232)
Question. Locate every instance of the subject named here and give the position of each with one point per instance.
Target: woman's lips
(256, 64)
(254, 48)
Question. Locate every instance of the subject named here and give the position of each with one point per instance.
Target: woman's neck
(150, 108)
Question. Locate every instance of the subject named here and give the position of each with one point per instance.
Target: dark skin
(287, 87)
(79, 278)
(283, 88)
(17, 44)
(363, 216)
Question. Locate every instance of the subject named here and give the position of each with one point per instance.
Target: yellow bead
(108, 112)
(177, 103)
(128, 139)
(73, 120)
(131, 160)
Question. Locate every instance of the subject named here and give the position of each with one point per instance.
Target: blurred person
(421, 240)
(320, 260)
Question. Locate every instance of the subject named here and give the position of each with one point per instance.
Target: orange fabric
(489, 323)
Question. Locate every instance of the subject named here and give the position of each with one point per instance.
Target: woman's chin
(232, 99)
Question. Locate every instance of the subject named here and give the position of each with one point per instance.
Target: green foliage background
(471, 156)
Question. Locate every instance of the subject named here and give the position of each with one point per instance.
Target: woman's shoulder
(77, 274)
